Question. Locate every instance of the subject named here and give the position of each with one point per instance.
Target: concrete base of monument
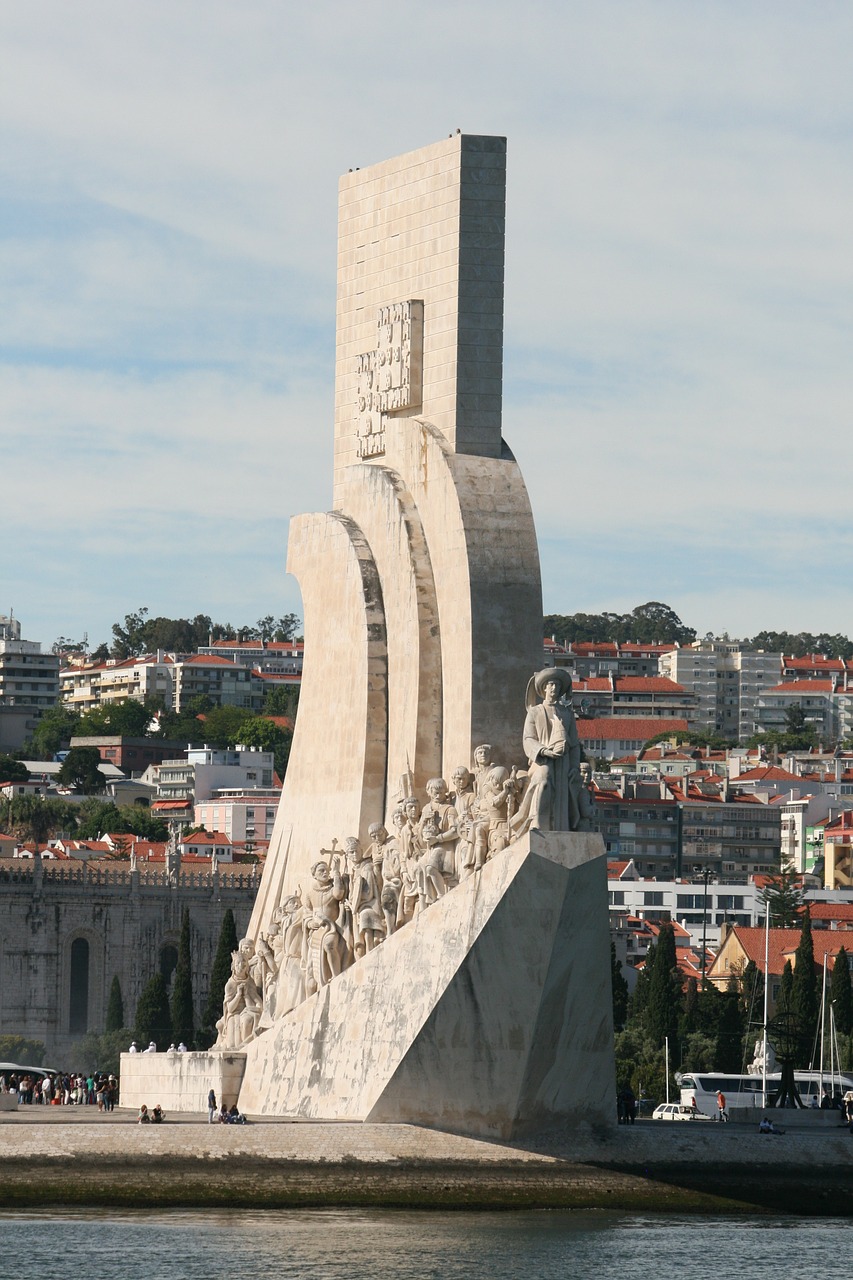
(180, 1081)
(489, 1014)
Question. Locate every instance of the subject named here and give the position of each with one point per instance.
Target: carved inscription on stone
(390, 377)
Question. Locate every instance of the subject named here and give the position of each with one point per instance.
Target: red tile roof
(802, 687)
(783, 943)
(628, 728)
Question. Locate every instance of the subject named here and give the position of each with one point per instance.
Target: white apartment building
(243, 816)
(171, 677)
(206, 770)
(727, 681)
(29, 684)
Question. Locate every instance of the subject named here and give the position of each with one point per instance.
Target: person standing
(211, 1107)
(721, 1105)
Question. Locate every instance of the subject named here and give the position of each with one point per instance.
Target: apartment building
(29, 684)
(727, 682)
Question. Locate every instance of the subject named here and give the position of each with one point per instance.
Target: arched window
(78, 1005)
(168, 961)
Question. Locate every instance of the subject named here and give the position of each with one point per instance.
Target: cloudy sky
(678, 370)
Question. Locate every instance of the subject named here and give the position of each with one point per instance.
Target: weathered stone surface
(180, 1081)
(481, 1016)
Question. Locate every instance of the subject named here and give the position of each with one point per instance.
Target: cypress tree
(115, 1007)
(805, 1003)
(728, 1044)
(620, 991)
(783, 1004)
(752, 987)
(662, 1006)
(219, 974)
(183, 1020)
(841, 994)
(153, 1021)
(784, 894)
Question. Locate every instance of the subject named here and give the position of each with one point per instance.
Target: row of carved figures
(359, 896)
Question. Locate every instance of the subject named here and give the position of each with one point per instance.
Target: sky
(678, 376)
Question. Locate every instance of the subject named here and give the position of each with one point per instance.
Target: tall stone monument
(430, 941)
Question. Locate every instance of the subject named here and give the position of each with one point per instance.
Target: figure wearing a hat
(553, 750)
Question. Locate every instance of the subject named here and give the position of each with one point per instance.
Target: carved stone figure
(364, 901)
(492, 813)
(290, 986)
(173, 855)
(242, 1004)
(464, 798)
(384, 853)
(264, 970)
(325, 949)
(551, 802)
(482, 764)
(440, 807)
(429, 876)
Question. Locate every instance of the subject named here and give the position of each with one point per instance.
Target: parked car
(676, 1111)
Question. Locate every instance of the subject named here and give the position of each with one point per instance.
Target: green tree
(728, 1044)
(841, 994)
(805, 1003)
(12, 770)
(183, 1018)
(619, 987)
(219, 975)
(784, 1002)
(101, 1053)
(81, 769)
(752, 992)
(281, 700)
(650, 623)
(36, 818)
(127, 718)
(153, 1020)
(664, 997)
(783, 893)
(53, 733)
(21, 1050)
(268, 736)
(115, 1007)
(224, 726)
(129, 640)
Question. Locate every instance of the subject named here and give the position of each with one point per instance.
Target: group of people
(60, 1088)
(223, 1114)
(358, 896)
(626, 1105)
(152, 1048)
(154, 1116)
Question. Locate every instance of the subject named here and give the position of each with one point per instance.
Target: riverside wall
(84, 1159)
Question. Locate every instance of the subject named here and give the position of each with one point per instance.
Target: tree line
(657, 623)
(140, 634)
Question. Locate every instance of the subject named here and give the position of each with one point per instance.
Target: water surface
(348, 1244)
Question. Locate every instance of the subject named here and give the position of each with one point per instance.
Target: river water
(350, 1244)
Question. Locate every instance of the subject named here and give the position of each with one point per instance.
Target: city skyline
(677, 313)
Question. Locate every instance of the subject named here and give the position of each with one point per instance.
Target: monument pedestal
(482, 1016)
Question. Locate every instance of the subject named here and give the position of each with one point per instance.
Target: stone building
(67, 928)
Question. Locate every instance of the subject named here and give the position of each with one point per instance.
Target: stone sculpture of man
(325, 953)
(364, 900)
(551, 802)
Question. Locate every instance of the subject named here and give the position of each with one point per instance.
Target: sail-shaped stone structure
(449, 963)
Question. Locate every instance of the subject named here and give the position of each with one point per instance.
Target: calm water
(328, 1244)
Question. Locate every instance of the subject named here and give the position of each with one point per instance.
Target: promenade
(76, 1156)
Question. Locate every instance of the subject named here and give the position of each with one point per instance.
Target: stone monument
(430, 941)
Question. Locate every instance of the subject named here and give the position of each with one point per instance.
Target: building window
(78, 1005)
(652, 899)
(168, 960)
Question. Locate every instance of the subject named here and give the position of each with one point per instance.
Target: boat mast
(766, 989)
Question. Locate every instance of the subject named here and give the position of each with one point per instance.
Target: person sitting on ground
(157, 1115)
(235, 1116)
(143, 1117)
(767, 1126)
(223, 1114)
